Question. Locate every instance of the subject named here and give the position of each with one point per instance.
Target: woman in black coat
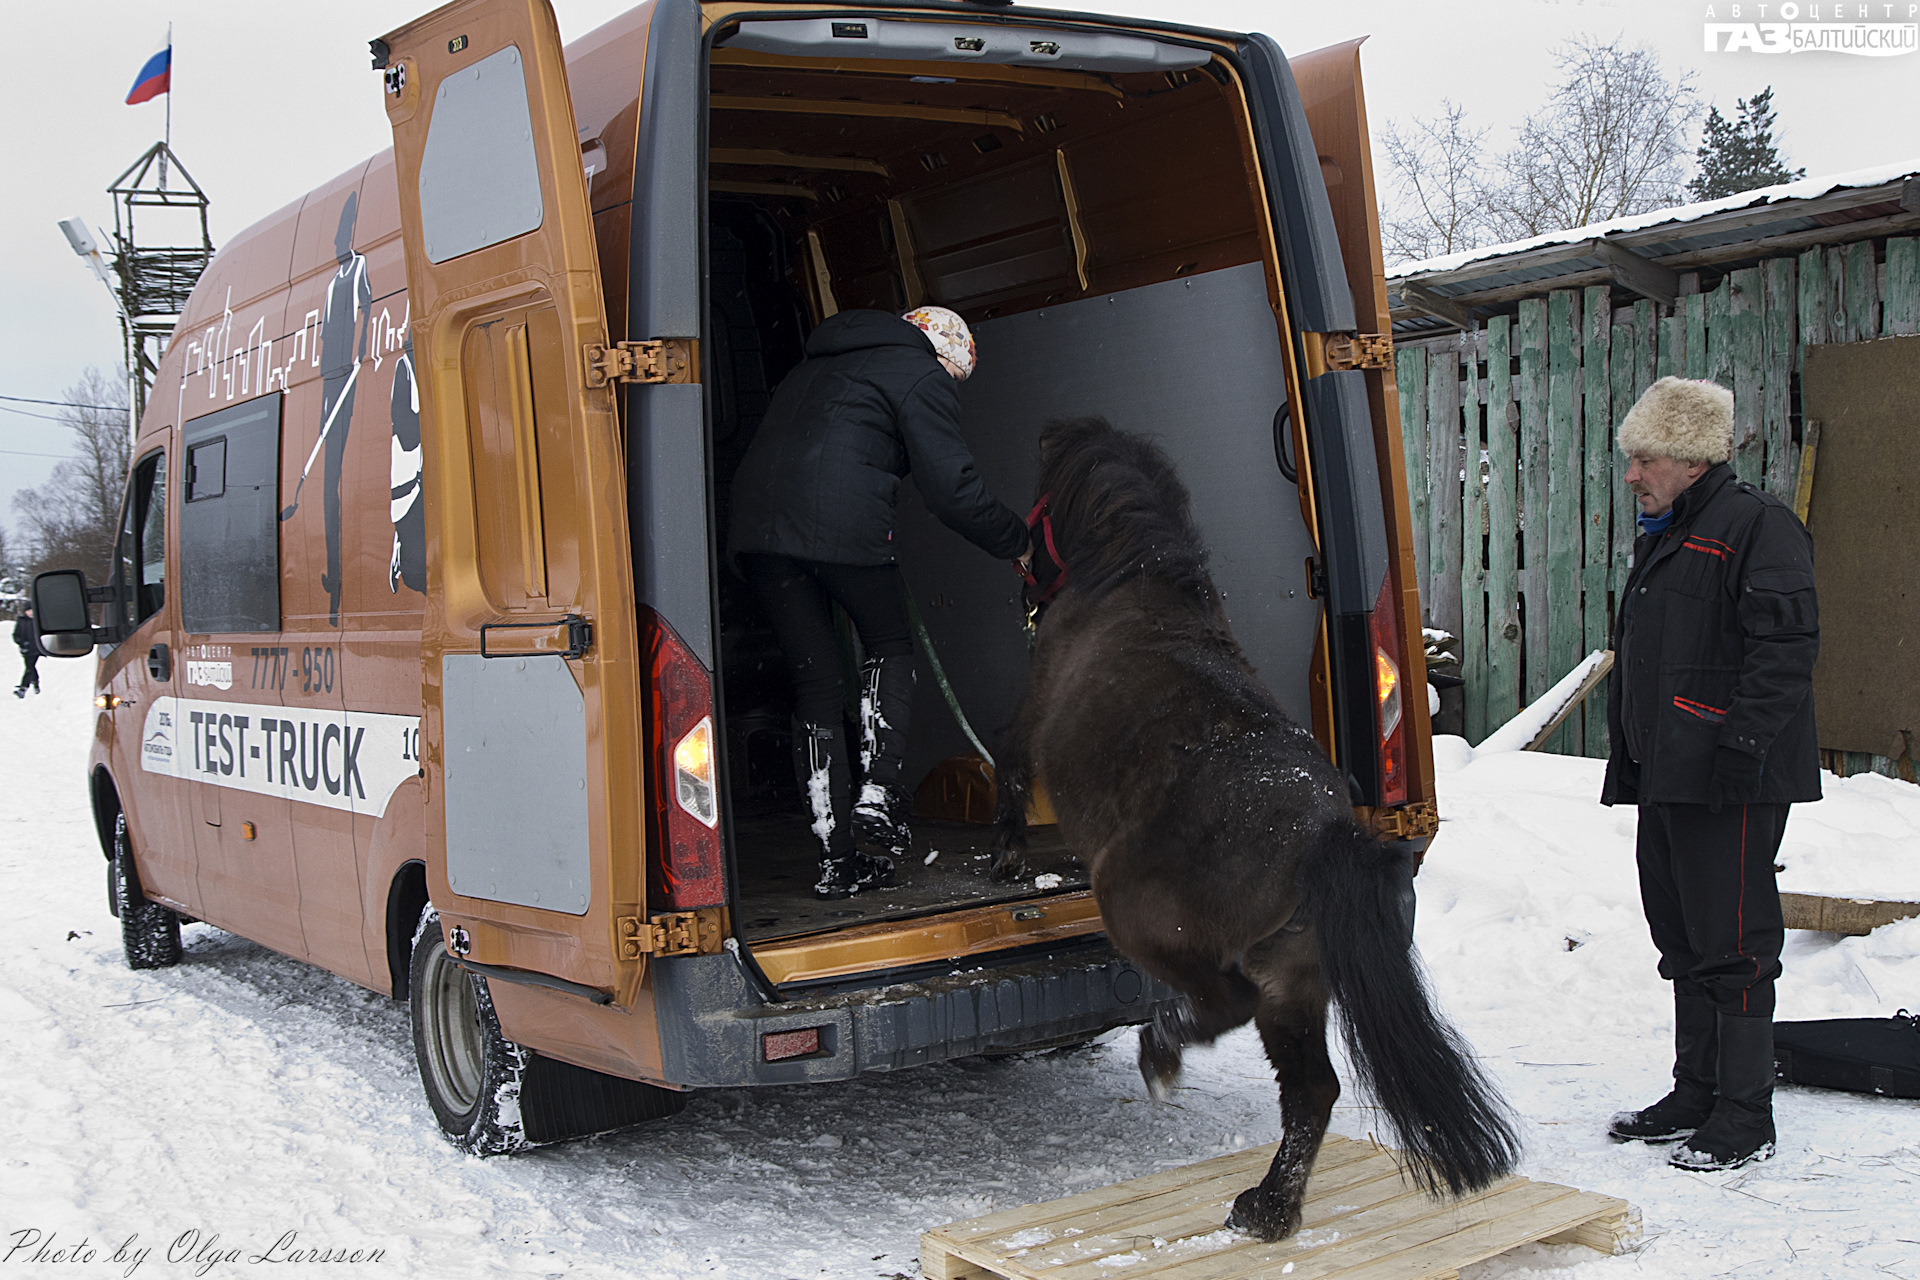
(813, 517)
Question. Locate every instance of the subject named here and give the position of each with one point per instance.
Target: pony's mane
(1118, 508)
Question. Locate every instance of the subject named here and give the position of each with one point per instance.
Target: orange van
(423, 659)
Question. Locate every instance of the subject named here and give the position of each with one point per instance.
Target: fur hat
(1681, 418)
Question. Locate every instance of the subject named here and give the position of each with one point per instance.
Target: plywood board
(1363, 1218)
(1865, 519)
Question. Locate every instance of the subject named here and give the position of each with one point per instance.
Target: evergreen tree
(1739, 154)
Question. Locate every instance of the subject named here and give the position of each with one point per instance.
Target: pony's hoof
(1159, 1062)
(1008, 865)
(1253, 1214)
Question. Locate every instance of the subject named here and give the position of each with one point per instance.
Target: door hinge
(657, 360)
(676, 933)
(1359, 351)
(1407, 822)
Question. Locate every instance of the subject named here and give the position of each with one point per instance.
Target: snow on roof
(1803, 189)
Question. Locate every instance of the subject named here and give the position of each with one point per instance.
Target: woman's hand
(1024, 561)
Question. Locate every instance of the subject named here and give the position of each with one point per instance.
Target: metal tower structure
(152, 280)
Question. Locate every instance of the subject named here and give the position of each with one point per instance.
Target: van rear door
(1310, 119)
(531, 680)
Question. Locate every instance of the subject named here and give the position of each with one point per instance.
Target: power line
(66, 404)
(22, 453)
(28, 413)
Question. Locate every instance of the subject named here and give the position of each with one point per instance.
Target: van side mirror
(60, 613)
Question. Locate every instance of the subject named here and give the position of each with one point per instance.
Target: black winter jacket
(1714, 643)
(869, 404)
(26, 636)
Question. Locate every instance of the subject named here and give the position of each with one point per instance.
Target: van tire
(149, 932)
(472, 1073)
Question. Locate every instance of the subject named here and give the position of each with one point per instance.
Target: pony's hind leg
(1293, 1028)
(1212, 1004)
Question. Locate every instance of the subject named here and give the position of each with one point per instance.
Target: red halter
(1038, 520)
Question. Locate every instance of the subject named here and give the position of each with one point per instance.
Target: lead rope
(940, 676)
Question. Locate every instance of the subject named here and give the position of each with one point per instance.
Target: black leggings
(798, 597)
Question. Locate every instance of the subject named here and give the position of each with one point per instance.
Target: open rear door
(1310, 120)
(532, 742)
(1336, 110)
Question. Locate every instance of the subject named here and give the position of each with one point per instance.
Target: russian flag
(154, 77)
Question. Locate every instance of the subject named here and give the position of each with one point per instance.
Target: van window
(142, 567)
(229, 520)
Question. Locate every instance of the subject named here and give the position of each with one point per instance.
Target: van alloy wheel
(471, 1072)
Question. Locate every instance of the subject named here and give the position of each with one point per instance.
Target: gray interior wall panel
(1197, 365)
(514, 733)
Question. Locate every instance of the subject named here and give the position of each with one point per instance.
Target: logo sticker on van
(217, 675)
(347, 760)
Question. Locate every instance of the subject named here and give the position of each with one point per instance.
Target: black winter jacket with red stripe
(1714, 647)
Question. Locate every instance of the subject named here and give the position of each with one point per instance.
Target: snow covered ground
(219, 1105)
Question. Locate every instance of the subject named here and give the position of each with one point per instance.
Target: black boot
(886, 708)
(1740, 1130)
(1686, 1108)
(825, 781)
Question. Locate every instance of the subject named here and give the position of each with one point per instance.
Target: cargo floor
(778, 864)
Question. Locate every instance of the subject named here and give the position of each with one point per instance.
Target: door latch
(160, 663)
(653, 361)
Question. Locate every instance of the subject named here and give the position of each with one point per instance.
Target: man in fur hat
(1710, 724)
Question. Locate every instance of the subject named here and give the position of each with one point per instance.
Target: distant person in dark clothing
(812, 526)
(1710, 721)
(26, 636)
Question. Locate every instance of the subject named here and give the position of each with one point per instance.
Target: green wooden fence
(1521, 516)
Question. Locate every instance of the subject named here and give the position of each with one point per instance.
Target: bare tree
(71, 520)
(13, 579)
(1439, 168)
(1611, 141)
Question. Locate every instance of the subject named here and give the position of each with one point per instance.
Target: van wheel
(149, 932)
(472, 1073)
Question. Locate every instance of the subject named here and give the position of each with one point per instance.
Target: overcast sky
(270, 100)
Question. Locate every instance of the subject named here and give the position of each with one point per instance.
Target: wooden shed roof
(1644, 255)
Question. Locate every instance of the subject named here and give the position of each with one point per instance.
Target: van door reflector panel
(685, 869)
(777, 1046)
(1389, 692)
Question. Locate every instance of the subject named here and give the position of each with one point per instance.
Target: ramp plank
(1363, 1220)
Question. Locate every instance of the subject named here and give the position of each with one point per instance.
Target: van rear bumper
(711, 1022)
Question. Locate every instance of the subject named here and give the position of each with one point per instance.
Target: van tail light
(685, 870)
(1389, 694)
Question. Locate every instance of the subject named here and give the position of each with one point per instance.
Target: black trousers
(1707, 886)
(798, 597)
(30, 678)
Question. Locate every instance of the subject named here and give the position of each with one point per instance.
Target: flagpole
(167, 144)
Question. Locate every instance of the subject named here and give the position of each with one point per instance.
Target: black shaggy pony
(1223, 852)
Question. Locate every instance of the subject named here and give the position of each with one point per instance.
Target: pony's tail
(1443, 1111)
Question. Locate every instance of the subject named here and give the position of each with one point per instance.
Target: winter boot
(1676, 1116)
(844, 877)
(886, 707)
(843, 871)
(1740, 1130)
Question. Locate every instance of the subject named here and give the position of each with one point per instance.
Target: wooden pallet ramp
(1363, 1221)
